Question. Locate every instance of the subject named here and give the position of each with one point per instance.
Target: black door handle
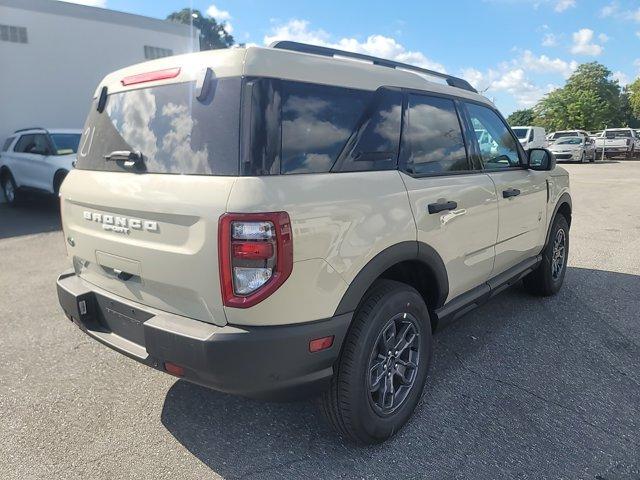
(441, 207)
(510, 192)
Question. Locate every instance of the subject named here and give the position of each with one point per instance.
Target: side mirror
(541, 159)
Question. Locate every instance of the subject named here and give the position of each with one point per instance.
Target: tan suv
(295, 220)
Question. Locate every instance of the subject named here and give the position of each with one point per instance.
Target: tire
(548, 277)
(9, 189)
(593, 158)
(353, 405)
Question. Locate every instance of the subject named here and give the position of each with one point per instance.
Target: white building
(53, 54)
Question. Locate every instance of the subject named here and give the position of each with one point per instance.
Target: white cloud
(621, 77)
(376, 45)
(549, 40)
(222, 16)
(583, 43)
(562, 5)
(513, 77)
(609, 10)
(91, 3)
(218, 14)
(545, 64)
(603, 37)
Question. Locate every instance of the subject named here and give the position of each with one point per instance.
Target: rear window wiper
(130, 158)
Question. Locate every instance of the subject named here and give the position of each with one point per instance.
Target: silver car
(574, 149)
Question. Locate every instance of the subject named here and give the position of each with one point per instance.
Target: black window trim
(402, 161)
(341, 163)
(519, 148)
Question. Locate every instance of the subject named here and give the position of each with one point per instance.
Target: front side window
(317, 121)
(498, 147)
(432, 138)
(65, 143)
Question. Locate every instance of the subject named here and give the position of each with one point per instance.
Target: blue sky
(513, 50)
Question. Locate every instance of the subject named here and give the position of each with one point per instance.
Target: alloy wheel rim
(393, 363)
(9, 191)
(559, 254)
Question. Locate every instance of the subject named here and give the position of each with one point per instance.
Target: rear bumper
(260, 362)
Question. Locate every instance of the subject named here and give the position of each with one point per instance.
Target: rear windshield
(521, 133)
(65, 143)
(570, 141)
(618, 133)
(564, 134)
(175, 132)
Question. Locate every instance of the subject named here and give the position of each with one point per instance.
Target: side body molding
(401, 252)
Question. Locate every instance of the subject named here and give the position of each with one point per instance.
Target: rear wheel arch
(413, 263)
(58, 178)
(4, 171)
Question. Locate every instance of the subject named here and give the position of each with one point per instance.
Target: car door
(35, 163)
(521, 192)
(19, 159)
(454, 205)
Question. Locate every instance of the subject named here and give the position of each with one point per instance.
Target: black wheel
(383, 365)
(9, 189)
(547, 278)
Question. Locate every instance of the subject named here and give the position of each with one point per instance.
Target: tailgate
(149, 238)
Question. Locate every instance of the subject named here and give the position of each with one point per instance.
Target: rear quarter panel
(340, 222)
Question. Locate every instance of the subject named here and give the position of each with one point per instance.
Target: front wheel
(383, 365)
(9, 189)
(548, 276)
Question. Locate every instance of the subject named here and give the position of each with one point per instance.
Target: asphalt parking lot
(520, 388)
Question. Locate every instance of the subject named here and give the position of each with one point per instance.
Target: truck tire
(548, 276)
(9, 189)
(383, 366)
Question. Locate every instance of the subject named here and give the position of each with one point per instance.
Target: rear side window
(374, 144)
(35, 143)
(175, 132)
(432, 139)
(7, 144)
(317, 121)
(25, 143)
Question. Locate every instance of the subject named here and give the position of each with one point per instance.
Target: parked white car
(574, 149)
(531, 137)
(619, 142)
(567, 133)
(37, 159)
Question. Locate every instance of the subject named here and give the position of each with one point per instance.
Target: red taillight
(252, 250)
(320, 344)
(151, 76)
(174, 369)
(255, 252)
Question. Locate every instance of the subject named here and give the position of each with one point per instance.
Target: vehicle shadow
(516, 382)
(34, 214)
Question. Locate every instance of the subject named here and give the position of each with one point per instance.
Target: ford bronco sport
(286, 221)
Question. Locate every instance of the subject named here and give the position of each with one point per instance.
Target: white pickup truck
(618, 142)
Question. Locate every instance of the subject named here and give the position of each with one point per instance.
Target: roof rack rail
(332, 52)
(32, 128)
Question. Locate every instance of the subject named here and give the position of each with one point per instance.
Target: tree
(590, 100)
(633, 90)
(212, 34)
(525, 116)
